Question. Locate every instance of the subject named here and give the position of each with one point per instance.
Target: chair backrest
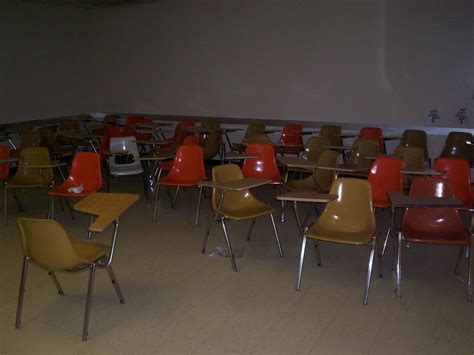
(212, 141)
(188, 165)
(291, 134)
(323, 179)
(373, 133)
(432, 219)
(385, 176)
(456, 146)
(414, 157)
(361, 148)
(5, 167)
(29, 139)
(332, 132)
(264, 166)
(86, 170)
(180, 131)
(47, 244)
(352, 210)
(259, 138)
(46, 137)
(415, 138)
(234, 200)
(458, 172)
(253, 129)
(34, 176)
(314, 148)
(69, 124)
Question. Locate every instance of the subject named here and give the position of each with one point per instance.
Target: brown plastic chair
(347, 220)
(333, 133)
(28, 139)
(321, 180)
(440, 226)
(456, 146)
(29, 177)
(362, 148)
(414, 159)
(46, 244)
(312, 151)
(212, 141)
(253, 134)
(47, 139)
(415, 138)
(236, 206)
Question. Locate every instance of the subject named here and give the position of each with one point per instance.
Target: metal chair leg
(22, 292)
(5, 200)
(198, 206)
(229, 247)
(318, 254)
(90, 289)
(206, 233)
(300, 267)
(71, 211)
(276, 236)
(369, 270)
(458, 261)
(89, 233)
(281, 216)
(469, 274)
(249, 233)
(399, 265)
(155, 207)
(56, 283)
(51, 208)
(379, 257)
(118, 291)
(175, 198)
(389, 231)
(20, 207)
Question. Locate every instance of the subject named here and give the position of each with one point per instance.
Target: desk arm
(5, 161)
(45, 166)
(235, 185)
(151, 142)
(155, 158)
(306, 196)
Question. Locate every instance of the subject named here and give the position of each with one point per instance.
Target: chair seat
(254, 210)
(334, 233)
(381, 203)
(90, 252)
(301, 185)
(62, 190)
(127, 169)
(416, 232)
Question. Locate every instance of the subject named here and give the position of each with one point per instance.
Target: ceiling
(90, 4)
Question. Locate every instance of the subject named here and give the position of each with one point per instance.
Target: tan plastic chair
(212, 141)
(414, 158)
(320, 180)
(347, 220)
(333, 133)
(28, 139)
(46, 244)
(253, 134)
(312, 151)
(456, 146)
(236, 206)
(362, 148)
(415, 138)
(30, 174)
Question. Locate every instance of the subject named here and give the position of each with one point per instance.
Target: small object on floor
(222, 251)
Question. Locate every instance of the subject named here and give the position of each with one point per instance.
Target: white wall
(371, 61)
(44, 65)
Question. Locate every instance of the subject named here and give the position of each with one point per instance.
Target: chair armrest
(236, 185)
(306, 196)
(155, 158)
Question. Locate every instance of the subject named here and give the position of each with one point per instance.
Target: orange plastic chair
(167, 165)
(4, 167)
(84, 178)
(385, 176)
(441, 226)
(130, 131)
(264, 166)
(290, 135)
(373, 133)
(187, 170)
(458, 172)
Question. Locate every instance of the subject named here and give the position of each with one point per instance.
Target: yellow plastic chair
(416, 138)
(46, 244)
(211, 141)
(34, 171)
(347, 220)
(414, 158)
(236, 206)
(361, 149)
(333, 133)
(321, 180)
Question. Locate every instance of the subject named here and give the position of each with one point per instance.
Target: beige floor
(180, 301)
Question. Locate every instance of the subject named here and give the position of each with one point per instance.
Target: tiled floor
(180, 301)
